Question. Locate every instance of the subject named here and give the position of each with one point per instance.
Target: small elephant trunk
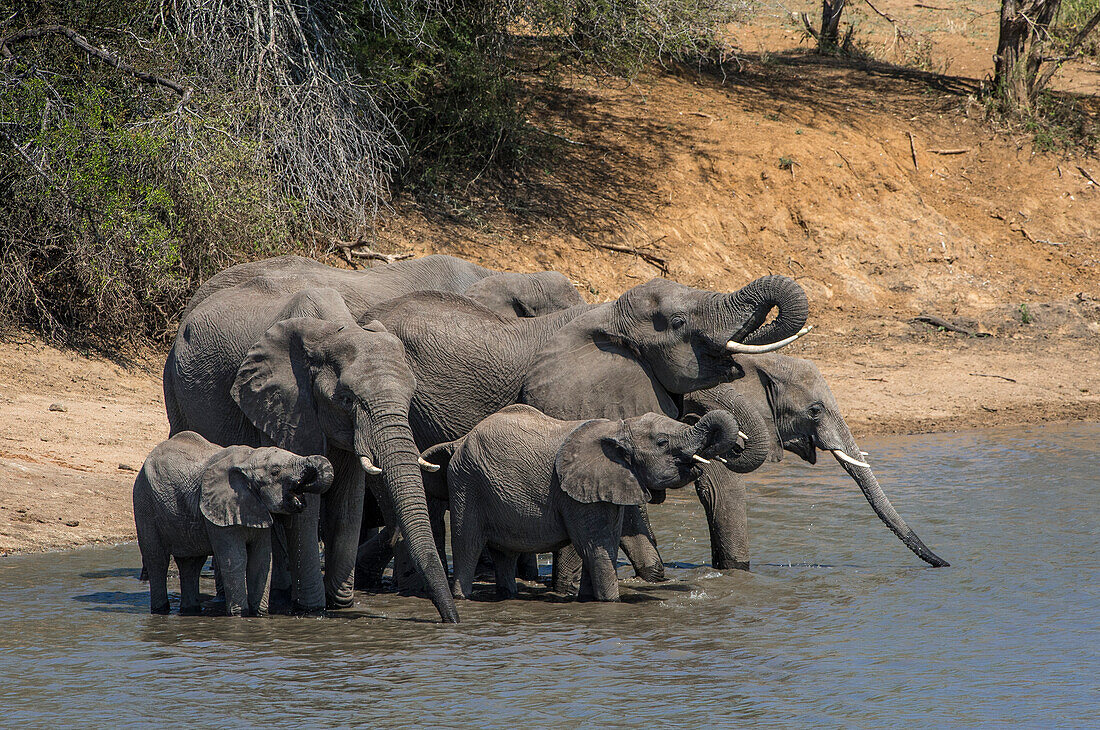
(316, 477)
(715, 434)
(758, 435)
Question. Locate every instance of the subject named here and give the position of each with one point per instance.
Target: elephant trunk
(398, 456)
(867, 482)
(316, 475)
(715, 434)
(754, 301)
(757, 435)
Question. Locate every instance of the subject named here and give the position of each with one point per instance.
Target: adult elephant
(253, 365)
(802, 416)
(509, 294)
(638, 354)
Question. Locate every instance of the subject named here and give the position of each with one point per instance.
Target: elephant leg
(437, 510)
(343, 516)
(566, 575)
(373, 557)
(304, 559)
(504, 563)
(279, 595)
(640, 546)
(527, 567)
(231, 549)
(467, 543)
(597, 541)
(259, 572)
(190, 568)
(725, 501)
(155, 563)
(405, 575)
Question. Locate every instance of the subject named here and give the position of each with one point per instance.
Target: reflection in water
(838, 623)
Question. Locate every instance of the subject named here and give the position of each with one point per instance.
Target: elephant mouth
(803, 447)
(295, 503)
(656, 496)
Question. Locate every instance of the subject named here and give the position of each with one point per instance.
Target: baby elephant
(521, 481)
(193, 499)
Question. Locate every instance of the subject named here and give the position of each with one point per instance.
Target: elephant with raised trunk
(252, 365)
(193, 499)
(638, 354)
(803, 417)
(521, 481)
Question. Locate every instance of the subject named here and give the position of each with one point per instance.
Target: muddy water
(837, 624)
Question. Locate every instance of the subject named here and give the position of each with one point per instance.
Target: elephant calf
(521, 481)
(193, 499)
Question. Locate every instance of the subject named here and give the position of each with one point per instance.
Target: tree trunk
(829, 36)
(1024, 28)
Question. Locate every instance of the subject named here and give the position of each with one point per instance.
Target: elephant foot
(729, 564)
(190, 610)
(297, 609)
(279, 601)
(160, 610)
(651, 573)
(215, 605)
(334, 603)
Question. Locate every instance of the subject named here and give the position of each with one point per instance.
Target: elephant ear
(771, 394)
(227, 498)
(274, 384)
(593, 465)
(760, 391)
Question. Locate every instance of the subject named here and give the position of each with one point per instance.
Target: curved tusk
(699, 459)
(841, 456)
(368, 466)
(864, 453)
(737, 347)
(427, 465)
(743, 436)
(719, 458)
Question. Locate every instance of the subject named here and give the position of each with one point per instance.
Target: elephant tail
(435, 482)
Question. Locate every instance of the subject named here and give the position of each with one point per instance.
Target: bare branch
(81, 42)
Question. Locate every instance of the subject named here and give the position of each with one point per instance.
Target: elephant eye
(662, 442)
(816, 409)
(275, 471)
(677, 321)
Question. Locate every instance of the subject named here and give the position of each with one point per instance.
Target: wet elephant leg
(527, 567)
(342, 516)
(725, 501)
(374, 555)
(566, 575)
(640, 546)
(303, 557)
(279, 596)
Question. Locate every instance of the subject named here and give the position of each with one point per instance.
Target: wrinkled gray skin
(802, 416)
(622, 359)
(509, 294)
(253, 366)
(521, 481)
(193, 499)
(525, 295)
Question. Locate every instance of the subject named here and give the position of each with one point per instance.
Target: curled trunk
(758, 298)
(752, 424)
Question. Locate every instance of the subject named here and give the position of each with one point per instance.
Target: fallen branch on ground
(988, 375)
(651, 259)
(1088, 176)
(942, 323)
(959, 151)
(913, 151)
(358, 249)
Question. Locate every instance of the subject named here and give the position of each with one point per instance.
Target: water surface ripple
(837, 625)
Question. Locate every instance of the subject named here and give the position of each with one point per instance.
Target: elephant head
(686, 336)
(308, 384)
(245, 486)
(757, 435)
(633, 461)
(525, 295)
(803, 416)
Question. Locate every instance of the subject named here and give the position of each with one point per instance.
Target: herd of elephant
(311, 405)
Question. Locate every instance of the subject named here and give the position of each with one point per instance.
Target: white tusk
(744, 436)
(700, 459)
(737, 347)
(841, 456)
(721, 460)
(864, 453)
(427, 465)
(368, 466)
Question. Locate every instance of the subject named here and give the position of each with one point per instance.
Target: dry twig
(958, 151)
(651, 259)
(358, 250)
(989, 375)
(913, 151)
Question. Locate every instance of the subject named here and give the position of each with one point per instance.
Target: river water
(837, 625)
